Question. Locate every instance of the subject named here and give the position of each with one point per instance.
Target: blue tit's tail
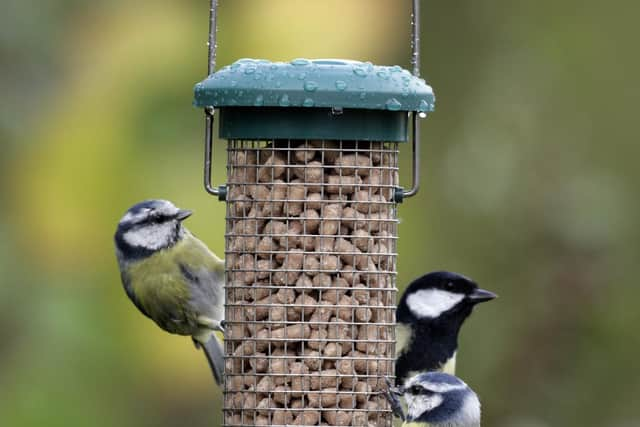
(215, 356)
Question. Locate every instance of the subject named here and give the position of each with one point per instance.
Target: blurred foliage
(528, 183)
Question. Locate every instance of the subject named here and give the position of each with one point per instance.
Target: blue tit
(436, 399)
(171, 276)
(429, 316)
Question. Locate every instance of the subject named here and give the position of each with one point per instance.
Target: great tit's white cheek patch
(432, 303)
(152, 237)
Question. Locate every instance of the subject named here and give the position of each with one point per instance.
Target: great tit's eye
(450, 285)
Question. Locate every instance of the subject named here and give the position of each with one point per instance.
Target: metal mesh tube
(311, 271)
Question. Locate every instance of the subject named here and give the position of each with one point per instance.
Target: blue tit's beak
(481, 295)
(183, 214)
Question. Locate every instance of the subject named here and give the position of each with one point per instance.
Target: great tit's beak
(183, 214)
(481, 295)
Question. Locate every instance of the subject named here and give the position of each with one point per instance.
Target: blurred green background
(529, 185)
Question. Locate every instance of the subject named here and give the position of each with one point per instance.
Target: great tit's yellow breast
(449, 367)
(403, 338)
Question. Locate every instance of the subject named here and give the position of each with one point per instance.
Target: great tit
(436, 399)
(171, 276)
(429, 316)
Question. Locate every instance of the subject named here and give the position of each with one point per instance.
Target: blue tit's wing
(204, 272)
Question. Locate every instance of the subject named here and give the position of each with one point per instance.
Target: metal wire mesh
(311, 269)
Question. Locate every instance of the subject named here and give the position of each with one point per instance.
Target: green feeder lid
(343, 99)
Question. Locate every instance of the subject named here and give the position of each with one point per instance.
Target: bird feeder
(311, 230)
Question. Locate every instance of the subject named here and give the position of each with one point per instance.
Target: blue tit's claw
(223, 326)
(391, 394)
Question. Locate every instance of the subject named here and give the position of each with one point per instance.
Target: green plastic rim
(319, 123)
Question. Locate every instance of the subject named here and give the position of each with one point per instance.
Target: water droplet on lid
(360, 71)
(236, 65)
(234, 83)
(302, 76)
(310, 86)
(363, 95)
(250, 69)
(278, 83)
(341, 85)
(405, 92)
(308, 102)
(259, 102)
(284, 101)
(424, 106)
(393, 104)
(384, 74)
(396, 69)
(300, 62)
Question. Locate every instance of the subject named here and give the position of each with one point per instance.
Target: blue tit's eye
(416, 389)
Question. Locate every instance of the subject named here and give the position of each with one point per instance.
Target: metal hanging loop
(209, 113)
(415, 133)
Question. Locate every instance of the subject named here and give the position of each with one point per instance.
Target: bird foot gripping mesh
(310, 289)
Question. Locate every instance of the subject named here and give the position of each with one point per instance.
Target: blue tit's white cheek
(418, 404)
(431, 303)
(153, 236)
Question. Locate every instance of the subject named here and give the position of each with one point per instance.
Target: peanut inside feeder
(312, 191)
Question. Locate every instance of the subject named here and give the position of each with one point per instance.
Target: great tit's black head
(439, 399)
(440, 293)
(149, 226)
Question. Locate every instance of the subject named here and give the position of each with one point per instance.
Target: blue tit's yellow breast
(162, 290)
(414, 424)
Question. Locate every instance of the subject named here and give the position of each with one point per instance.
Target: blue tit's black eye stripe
(419, 390)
